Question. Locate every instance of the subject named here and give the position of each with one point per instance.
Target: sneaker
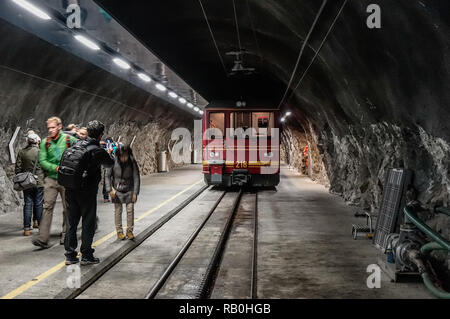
(38, 243)
(106, 200)
(130, 234)
(26, 232)
(91, 260)
(72, 260)
(35, 224)
(120, 235)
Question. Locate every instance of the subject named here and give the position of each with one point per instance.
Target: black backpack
(74, 165)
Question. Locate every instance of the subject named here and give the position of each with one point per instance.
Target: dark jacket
(124, 178)
(97, 157)
(25, 162)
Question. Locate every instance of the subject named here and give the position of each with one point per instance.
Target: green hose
(433, 289)
(443, 210)
(427, 248)
(427, 230)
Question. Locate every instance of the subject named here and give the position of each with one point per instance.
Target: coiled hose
(440, 243)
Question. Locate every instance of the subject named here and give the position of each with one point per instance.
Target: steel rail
(162, 280)
(211, 272)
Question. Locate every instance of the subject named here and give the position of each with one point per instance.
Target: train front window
(263, 122)
(241, 120)
(216, 121)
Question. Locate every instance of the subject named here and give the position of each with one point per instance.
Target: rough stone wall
(293, 142)
(357, 166)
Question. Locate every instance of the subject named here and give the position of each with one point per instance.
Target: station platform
(305, 247)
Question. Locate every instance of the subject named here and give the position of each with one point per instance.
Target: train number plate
(241, 164)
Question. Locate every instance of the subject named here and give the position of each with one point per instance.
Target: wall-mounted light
(173, 94)
(144, 77)
(33, 9)
(160, 87)
(121, 63)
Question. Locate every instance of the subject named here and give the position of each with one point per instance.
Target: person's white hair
(33, 138)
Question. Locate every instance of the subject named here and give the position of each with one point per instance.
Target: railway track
(206, 284)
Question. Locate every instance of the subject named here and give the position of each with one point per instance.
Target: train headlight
(214, 154)
(268, 154)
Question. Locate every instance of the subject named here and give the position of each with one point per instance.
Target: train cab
(241, 146)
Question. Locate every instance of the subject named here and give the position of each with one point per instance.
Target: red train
(241, 146)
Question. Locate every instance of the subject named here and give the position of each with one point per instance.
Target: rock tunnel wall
(376, 98)
(38, 80)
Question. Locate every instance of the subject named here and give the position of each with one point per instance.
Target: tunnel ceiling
(361, 75)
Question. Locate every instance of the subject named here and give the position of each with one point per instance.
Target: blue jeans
(34, 199)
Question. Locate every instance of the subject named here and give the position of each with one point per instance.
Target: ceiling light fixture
(160, 87)
(282, 119)
(121, 63)
(87, 42)
(182, 100)
(288, 113)
(144, 77)
(173, 94)
(33, 9)
(190, 105)
(196, 109)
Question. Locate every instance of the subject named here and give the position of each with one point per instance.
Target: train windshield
(261, 122)
(216, 124)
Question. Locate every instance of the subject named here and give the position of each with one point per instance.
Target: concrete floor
(21, 263)
(305, 247)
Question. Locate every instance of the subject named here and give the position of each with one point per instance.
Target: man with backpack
(51, 150)
(80, 173)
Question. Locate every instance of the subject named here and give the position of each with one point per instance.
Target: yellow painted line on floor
(61, 265)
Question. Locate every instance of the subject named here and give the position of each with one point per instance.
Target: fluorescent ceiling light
(196, 109)
(190, 105)
(288, 113)
(173, 94)
(160, 87)
(144, 77)
(182, 100)
(89, 43)
(33, 9)
(121, 63)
